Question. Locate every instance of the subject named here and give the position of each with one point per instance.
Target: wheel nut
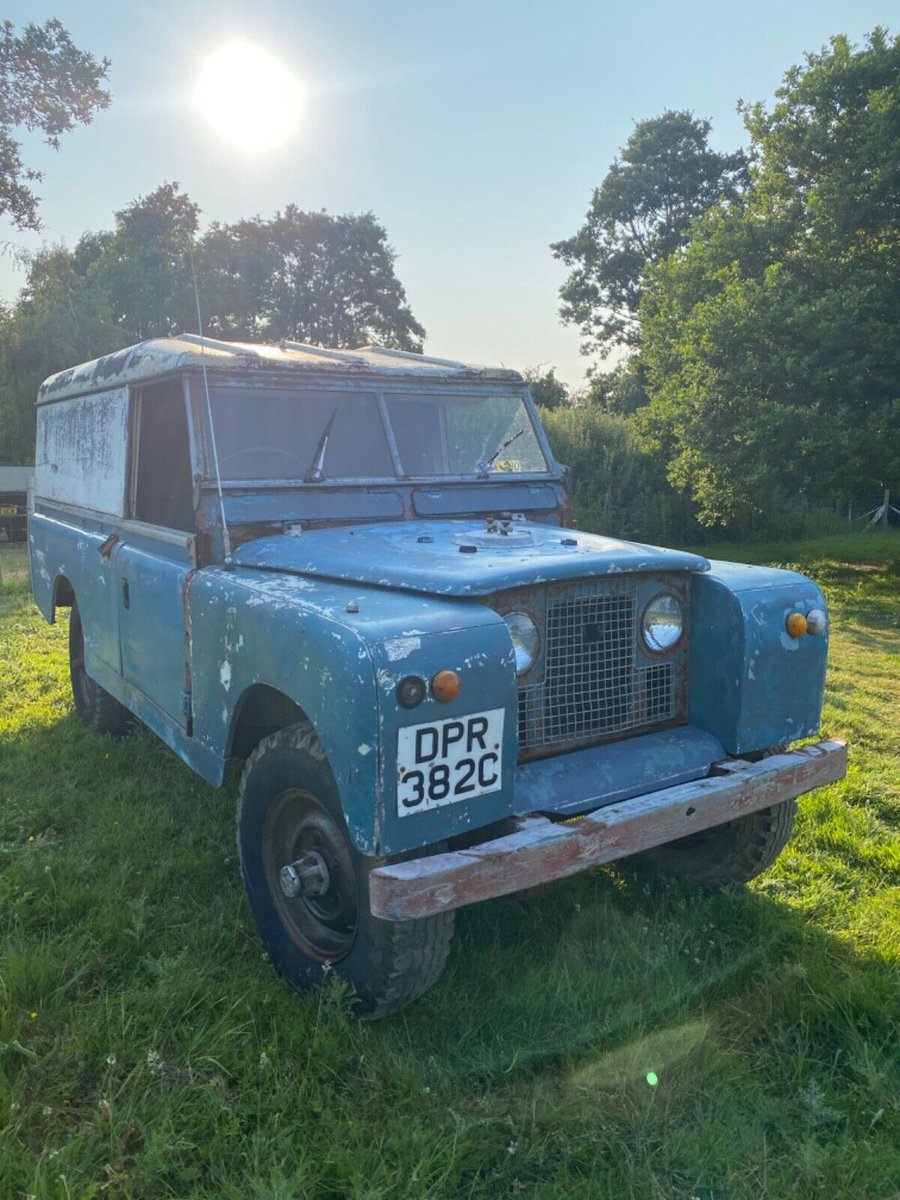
(290, 881)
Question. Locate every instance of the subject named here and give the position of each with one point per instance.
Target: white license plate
(444, 762)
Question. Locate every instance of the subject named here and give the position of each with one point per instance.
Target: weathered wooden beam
(541, 850)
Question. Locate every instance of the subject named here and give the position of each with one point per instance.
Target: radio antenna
(226, 536)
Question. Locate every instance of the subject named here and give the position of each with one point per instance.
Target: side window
(162, 485)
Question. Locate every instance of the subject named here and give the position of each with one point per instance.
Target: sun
(248, 97)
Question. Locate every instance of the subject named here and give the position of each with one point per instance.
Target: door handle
(126, 594)
(105, 548)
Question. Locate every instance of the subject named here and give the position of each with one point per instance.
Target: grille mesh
(587, 683)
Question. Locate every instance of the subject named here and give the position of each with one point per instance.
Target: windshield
(274, 433)
(463, 435)
(313, 436)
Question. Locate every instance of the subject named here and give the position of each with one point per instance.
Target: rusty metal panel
(541, 850)
(81, 452)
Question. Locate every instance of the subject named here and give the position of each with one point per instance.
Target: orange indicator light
(446, 685)
(796, 625)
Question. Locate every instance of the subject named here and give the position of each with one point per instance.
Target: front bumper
(541, 850)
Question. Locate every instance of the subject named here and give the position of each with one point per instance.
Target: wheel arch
(261, 710)
(63, 595)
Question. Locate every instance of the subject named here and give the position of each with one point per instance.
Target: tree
(144, 264)
(46, 84)
(60, 318)
(770, 339)
(546, 390)
(310, 277)
(640, 214)
(622, 390)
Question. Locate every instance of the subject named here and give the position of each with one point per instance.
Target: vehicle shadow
(612, 957)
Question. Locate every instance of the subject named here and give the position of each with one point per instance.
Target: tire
(95, 707)
(732, 853)
(288, 810)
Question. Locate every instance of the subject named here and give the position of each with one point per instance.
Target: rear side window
(162, 486)
(280, 434)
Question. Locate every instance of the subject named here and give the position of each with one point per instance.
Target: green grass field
(147, 1050)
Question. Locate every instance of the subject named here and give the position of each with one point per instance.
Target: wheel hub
(308, 876)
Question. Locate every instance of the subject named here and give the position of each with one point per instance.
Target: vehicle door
(156, 554)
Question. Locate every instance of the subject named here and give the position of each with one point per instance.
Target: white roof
(164, 356)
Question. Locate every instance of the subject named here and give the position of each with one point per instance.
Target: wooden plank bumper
(541, 850)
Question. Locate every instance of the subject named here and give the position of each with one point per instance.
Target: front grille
(588, 683)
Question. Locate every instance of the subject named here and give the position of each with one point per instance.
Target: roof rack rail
(238, 349)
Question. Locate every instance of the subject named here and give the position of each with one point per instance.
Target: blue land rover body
(355, 571)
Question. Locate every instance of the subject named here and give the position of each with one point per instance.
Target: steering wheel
(295, 458)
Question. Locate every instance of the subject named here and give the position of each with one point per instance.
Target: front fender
(752, 685)
(262, 629)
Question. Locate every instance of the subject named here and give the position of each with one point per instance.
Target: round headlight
(524, 634)
(663, 623)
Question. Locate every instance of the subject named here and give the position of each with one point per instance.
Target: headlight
(524, 634)
(663, 623)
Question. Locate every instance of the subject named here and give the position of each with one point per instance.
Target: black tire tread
(733, 853)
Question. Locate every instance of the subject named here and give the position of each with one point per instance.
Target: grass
(147, 1050)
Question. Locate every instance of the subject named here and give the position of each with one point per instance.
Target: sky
(475, 131)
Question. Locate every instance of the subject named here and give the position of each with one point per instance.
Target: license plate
(8, 510)
(444, 762)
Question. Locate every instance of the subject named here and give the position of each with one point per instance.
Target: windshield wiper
(314, 472)
(483, 467)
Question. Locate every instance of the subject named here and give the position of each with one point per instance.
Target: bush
(618, 488)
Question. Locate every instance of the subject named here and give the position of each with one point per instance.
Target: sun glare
(248, 97)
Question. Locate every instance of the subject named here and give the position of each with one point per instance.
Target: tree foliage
(770, 340)
(640, 214)
(307, 276)
(46, 84)
(547, 390)
(617, 485)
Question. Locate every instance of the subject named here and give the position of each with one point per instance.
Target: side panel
(150, 582)
(80, 453)
(752, 685)
(61, 547)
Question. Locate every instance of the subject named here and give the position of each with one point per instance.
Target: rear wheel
(96, 708)
(307, 885)
(731, 853)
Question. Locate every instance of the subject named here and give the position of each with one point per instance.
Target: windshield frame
(378, 388)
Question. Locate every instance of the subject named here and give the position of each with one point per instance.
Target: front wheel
(307, 885)
(735, 852)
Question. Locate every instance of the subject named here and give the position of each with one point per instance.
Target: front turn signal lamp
(796, 624)
(446, 686)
